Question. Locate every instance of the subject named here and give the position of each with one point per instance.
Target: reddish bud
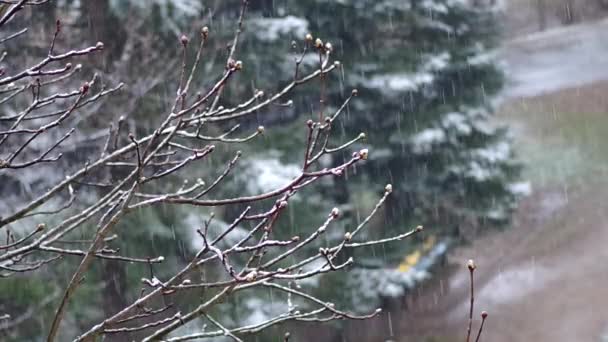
(85, 88)
(205, 32)
(335, 212)
(184, 40)
(68, 66)
(99, 46)
(364, 153)
(484, 314)
(251, 276)
(471, 265)
(318, 43)
(309, 123)
(58, 26)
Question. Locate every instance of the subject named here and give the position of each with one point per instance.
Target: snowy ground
(545, 278)
(563, 57)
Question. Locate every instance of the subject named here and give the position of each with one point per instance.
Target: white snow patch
(520, 188)
(437, 62)
(267, 174)
(375, 283)
(498, 152)
(261, 310)
(482, 58)
(400, 81)
(271, 29)
(434, 6)
(412, 81)
(478, 172)
(183, 7)
(193, 222)
(424, 141)
(436, 24)
(457, 121)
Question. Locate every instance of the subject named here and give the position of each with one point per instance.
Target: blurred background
(489, 117)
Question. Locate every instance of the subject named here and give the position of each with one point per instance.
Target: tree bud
(335, 212)
(85, 88)
(364, 153)
(184, 40)
(318, 43)
(471, 265)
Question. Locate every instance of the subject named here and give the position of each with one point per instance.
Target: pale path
(556, 59)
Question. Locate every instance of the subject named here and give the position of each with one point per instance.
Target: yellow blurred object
(413, 258)
(403, 267)
(409, 261)
(429, 243)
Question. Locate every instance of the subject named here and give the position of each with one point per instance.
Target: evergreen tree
(426, 81)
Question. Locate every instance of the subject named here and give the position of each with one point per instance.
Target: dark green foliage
(424, 70)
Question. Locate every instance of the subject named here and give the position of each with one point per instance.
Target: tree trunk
(106, 28)
(541, 10)
(115, 287)
(568, 14)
